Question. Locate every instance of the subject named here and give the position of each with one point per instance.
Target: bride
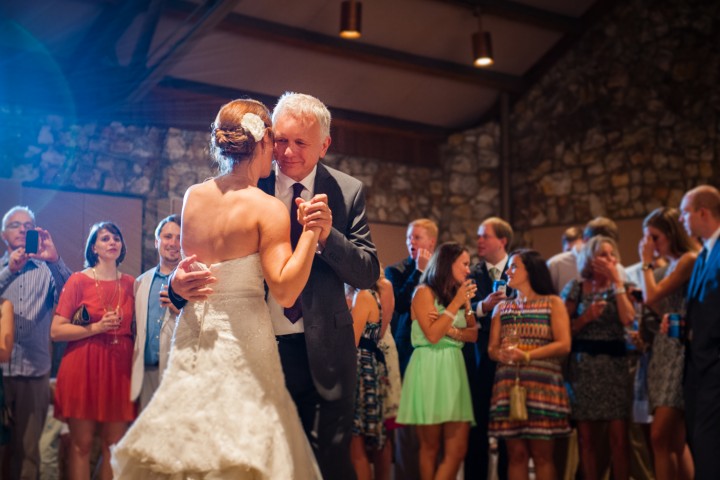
(222, 409)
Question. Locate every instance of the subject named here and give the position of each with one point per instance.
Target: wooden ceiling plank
(297, 37)
(521, 13)
(215, 13)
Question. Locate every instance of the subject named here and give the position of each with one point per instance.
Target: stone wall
(159, 164)
(627, 121)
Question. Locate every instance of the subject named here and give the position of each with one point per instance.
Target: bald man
(700, 214)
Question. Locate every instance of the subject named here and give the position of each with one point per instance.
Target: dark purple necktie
(295, 312)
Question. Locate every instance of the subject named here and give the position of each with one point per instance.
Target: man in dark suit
(315, 337)
(700, 213)
(494, 239)
(421, 238)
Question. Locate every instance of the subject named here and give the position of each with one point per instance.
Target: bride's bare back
(222, 221)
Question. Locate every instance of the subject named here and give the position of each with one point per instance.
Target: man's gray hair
(13, 211)
(302, 105)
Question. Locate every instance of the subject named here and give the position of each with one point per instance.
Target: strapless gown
(222, 410)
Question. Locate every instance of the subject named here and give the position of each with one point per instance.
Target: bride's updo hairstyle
(238, 129)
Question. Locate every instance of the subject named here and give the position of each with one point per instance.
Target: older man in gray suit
(315, 337)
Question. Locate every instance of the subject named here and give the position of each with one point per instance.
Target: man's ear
(325, 145)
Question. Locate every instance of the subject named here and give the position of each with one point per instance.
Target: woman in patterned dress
(529, 335)
(369, 439)
(600, 308)
(664, 236)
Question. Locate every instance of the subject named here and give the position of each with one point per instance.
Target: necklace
(107, 303)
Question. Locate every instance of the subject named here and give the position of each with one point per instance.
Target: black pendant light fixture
(350, 19)
(482, 45)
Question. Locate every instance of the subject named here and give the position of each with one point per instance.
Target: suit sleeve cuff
(176, 299)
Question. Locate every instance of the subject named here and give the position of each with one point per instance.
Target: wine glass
(114, 340)
(511, 339)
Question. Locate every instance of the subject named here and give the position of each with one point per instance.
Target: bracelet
(449, 314)
(620, 291)
(527, 358)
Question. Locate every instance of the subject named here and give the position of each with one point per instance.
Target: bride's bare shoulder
(266, 200)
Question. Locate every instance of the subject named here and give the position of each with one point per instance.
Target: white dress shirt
(284, 193)
(501, 268)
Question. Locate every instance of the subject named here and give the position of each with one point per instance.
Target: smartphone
(31, 241)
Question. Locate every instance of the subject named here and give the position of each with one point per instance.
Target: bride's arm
(285, 271)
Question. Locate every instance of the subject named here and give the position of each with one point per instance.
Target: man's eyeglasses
(16, 225)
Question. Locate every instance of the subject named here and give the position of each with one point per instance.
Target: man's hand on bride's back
(191, 281)
(315, 213)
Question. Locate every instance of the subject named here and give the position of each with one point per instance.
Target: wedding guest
(93, 382)
(420, 239)
(393, 386)
(369, 430)
(700, 214)
(572, 239)
(529, 336)
(436, 394)
(665, 237)
(6, 344)
(155, 316)
(7, 328)
(32, 283)
(600, 308)
(494, 238)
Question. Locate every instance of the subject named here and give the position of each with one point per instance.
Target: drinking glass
(114, 340)
(511, 339)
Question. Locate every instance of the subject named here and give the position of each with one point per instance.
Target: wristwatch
(647, 266)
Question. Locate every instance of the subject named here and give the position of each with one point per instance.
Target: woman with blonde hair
(600, 308)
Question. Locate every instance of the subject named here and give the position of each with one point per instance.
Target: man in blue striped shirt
(32, 283)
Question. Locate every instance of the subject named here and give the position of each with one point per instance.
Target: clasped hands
(315, 214)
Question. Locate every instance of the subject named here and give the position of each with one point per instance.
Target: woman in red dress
(93, 382)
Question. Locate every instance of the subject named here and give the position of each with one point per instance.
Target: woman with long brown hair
(529, 336)
(665, 237)
(436, 394)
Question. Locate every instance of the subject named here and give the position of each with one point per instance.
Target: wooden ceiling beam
(215, 12)
(521, 13)
(297, 37)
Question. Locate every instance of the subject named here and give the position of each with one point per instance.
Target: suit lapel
(699, 279)
(485, 277)
(267, 185)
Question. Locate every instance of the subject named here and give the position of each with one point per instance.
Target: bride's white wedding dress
(222, 410)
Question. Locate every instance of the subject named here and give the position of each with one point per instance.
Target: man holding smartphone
(32, 283)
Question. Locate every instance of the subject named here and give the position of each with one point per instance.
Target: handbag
(81, 316)
(518, 397)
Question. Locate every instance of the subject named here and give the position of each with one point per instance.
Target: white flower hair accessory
(251, 122)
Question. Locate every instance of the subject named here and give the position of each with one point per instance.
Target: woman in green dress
(435, 394)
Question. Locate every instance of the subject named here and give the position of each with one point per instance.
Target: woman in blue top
(436, 395)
